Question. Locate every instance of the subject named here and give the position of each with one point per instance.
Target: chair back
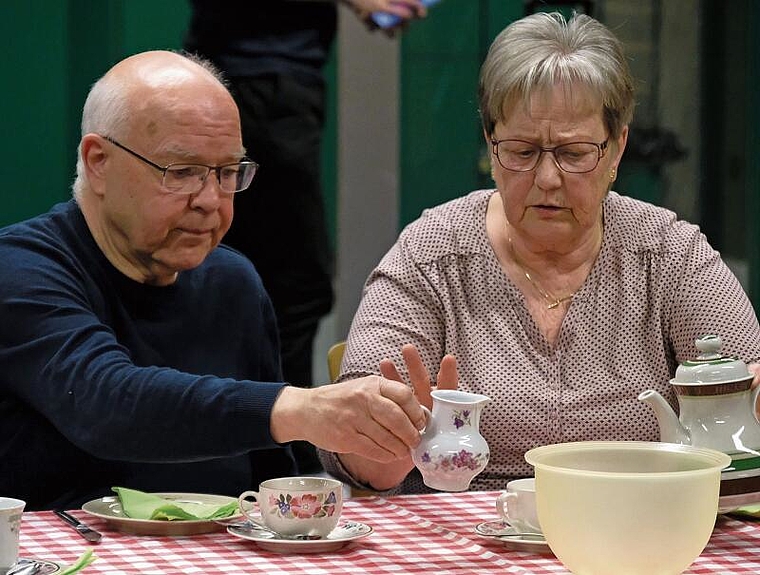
(334, 357)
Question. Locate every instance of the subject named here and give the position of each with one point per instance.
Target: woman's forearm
(378, 476)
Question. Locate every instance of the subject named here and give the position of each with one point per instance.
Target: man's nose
(211, 192)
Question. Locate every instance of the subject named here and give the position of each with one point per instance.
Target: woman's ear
(484, 167)
(621, 142)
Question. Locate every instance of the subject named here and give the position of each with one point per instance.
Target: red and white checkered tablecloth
(412, 534)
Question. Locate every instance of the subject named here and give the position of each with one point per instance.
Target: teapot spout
(671, 429)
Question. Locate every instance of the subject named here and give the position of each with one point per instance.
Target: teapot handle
(753, 403)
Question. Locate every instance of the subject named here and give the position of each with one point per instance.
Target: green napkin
(748, 510)
(141, 505)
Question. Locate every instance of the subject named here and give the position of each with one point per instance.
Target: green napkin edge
(84, 560)
(167, 510)
(748, 510)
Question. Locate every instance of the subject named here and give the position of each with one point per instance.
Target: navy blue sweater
(105, 381)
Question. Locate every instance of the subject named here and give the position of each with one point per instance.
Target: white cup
(517, 506)
(294, 506)
(10, 527)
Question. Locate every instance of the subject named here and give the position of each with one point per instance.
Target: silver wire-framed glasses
(188, 179)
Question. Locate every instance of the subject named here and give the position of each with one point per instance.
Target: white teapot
(717, 410)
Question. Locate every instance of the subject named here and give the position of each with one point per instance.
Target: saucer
(342, 535)
(512, 539)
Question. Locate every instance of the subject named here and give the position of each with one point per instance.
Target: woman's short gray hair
(535, 53)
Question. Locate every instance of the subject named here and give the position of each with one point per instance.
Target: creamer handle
(428, 417)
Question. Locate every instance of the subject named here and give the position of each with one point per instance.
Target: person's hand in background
(406, 10)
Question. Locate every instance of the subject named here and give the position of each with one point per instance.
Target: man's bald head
(140, 88)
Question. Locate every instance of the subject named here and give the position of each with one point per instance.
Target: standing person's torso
(260, 38)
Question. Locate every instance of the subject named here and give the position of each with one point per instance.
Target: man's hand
(373, 417)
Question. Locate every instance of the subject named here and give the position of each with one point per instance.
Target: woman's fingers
(389, 371)
(448, 377)
(418, 374)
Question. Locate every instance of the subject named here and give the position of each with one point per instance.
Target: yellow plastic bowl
(626, 507)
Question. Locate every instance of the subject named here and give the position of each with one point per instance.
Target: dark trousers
(279, 223)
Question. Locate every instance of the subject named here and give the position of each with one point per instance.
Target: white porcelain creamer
(452, 450)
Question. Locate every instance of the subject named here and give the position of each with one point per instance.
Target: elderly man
(136, 350)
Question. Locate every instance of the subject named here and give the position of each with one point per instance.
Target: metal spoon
(523, 536)
(251, 525)
(31, 567)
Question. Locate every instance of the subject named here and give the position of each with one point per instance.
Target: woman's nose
(548, 173)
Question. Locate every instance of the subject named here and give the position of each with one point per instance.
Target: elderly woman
(560, 299)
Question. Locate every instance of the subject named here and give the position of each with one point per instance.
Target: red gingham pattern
(413, 534)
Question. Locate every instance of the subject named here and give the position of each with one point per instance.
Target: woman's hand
(447, 378)
(385, 475)
(753, 368)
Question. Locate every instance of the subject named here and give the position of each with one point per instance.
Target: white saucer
(511, 539)
(342, 535)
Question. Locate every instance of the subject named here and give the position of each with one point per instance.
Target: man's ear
(95, 158)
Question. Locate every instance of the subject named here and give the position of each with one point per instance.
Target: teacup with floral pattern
(293, 506)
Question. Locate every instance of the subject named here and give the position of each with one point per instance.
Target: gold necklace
(552, 300)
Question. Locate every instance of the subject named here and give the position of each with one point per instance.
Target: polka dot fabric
(656, 286)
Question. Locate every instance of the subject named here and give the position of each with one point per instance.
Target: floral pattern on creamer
(461, 418)
(462, 460)
(304, 506)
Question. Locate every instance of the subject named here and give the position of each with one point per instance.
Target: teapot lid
(710, 366)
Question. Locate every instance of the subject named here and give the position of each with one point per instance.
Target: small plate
(511, 539)
(109, 508)
(342, 535)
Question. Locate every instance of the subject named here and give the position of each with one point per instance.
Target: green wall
(753, 145)
(442, 152)
(55, 50)
(35, 99)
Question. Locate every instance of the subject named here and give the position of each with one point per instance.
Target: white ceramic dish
(109, 508)
(511, 539)
(339, 537)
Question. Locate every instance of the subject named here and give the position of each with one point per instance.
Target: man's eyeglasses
(573, 157)
(189, 179)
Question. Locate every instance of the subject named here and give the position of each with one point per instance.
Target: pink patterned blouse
(656, 286)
